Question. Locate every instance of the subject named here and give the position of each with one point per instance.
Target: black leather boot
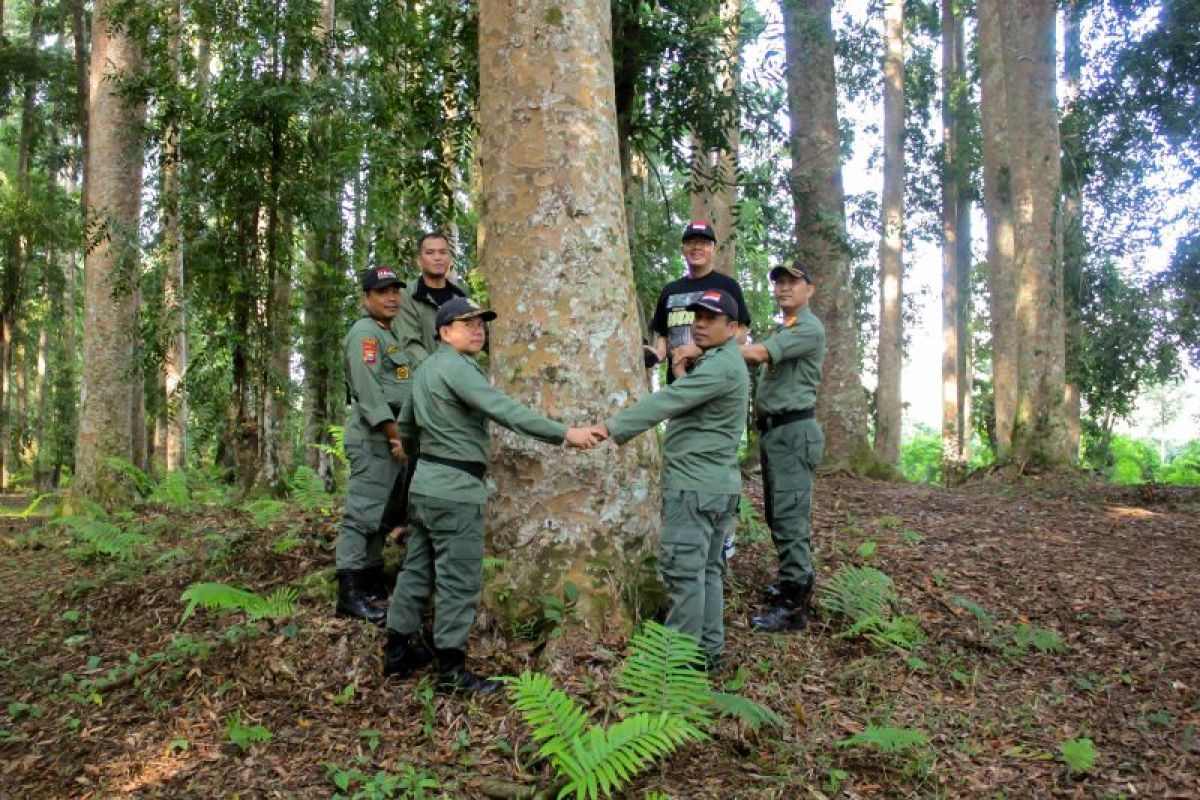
(404, 654)
(354, 597)
(378, 585)
(453, 675)
(789, 612)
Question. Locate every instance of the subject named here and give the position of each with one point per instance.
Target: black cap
(458, 308)
(716, 301)
(699, 229)
(380, 278)
(797, 269)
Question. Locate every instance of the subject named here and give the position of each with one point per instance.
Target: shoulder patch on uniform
(402, 372)
(370, 348)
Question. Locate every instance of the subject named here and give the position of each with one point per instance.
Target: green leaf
(1078, 754)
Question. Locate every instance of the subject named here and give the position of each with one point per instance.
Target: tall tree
(819, 198)
(18, 248)
(715, 170)
(554, 253)
(956, 246)
(1072, 217)
(1022, 181)
(173, 445)
(114, 164)
(891, 244)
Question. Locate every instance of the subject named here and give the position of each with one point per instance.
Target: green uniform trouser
(445, 552)
(790, 453)
(374, 504)
(692, 562)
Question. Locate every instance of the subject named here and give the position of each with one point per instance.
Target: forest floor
(1054, 611)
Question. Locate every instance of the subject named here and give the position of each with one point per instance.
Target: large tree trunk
(555, 256)
(891, 244)
(174, 442)
(714, 171)
(956, 249)
(114, 164)
(1022, 180)
(1074, 245)
(821, 225)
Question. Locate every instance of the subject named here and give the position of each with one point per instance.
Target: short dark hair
(431, 235)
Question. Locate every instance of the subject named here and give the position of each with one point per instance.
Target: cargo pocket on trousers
(681, 562)
(814, 447)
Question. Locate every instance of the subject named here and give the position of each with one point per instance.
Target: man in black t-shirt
(416, 323)
(672, 322)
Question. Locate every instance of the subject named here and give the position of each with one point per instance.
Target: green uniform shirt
(788, 381)
(452, 402)
(377, 377)
(416, 324)
(707, 409)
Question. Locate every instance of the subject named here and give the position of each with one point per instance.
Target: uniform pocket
(681, 561)
(681, 517)
(814, 446)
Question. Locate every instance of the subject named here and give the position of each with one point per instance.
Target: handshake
(586, 438)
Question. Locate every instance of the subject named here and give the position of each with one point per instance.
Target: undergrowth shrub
(172, 492)
(222, 597)
(668, 702)
(308, 489)
(864, 598)
(98, 537)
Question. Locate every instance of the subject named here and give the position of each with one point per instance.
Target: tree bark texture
(1074, 244)
(1022, 180)
(956, 248)
(714, 172)
(819, 198)
(556, 260)
(891, 244)
(175, 359)
(114, 164)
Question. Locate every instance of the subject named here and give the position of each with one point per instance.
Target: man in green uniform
(791, 442)
(701, 480)
(447, 423)
(377, 382)
(417, 323)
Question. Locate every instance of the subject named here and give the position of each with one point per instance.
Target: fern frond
(753, 714)
(603, 760)
(172, 491)
(886, 739)
(221, 597)
(857, 593)
(308, 488)
(265, 510)
(556, 719)
(664, 673)
(140, 479)
(103, 538)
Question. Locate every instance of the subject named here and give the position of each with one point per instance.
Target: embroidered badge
(370, 351)
(402, 372)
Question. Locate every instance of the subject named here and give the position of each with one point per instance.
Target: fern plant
(140, 479)
(664, 674)
(864, 598)
(886, 739)
(668, 702)
(102, 538)
(221, 597)
(245, 736)
(265, 510)
(308, 489)
(172, 491)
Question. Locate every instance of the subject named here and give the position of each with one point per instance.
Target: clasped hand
(585, 438)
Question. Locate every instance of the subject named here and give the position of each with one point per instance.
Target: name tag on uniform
(402, 373)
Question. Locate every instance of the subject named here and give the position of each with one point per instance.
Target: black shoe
(378, 585)
(789, 611)
(453, 675)
(770, 595)
(780, 619)
(404, 654)
(713, 663)
(355, 600)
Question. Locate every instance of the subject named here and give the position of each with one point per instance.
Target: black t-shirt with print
(674, 321)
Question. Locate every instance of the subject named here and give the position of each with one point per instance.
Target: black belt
(766, 422)
(474, 468)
